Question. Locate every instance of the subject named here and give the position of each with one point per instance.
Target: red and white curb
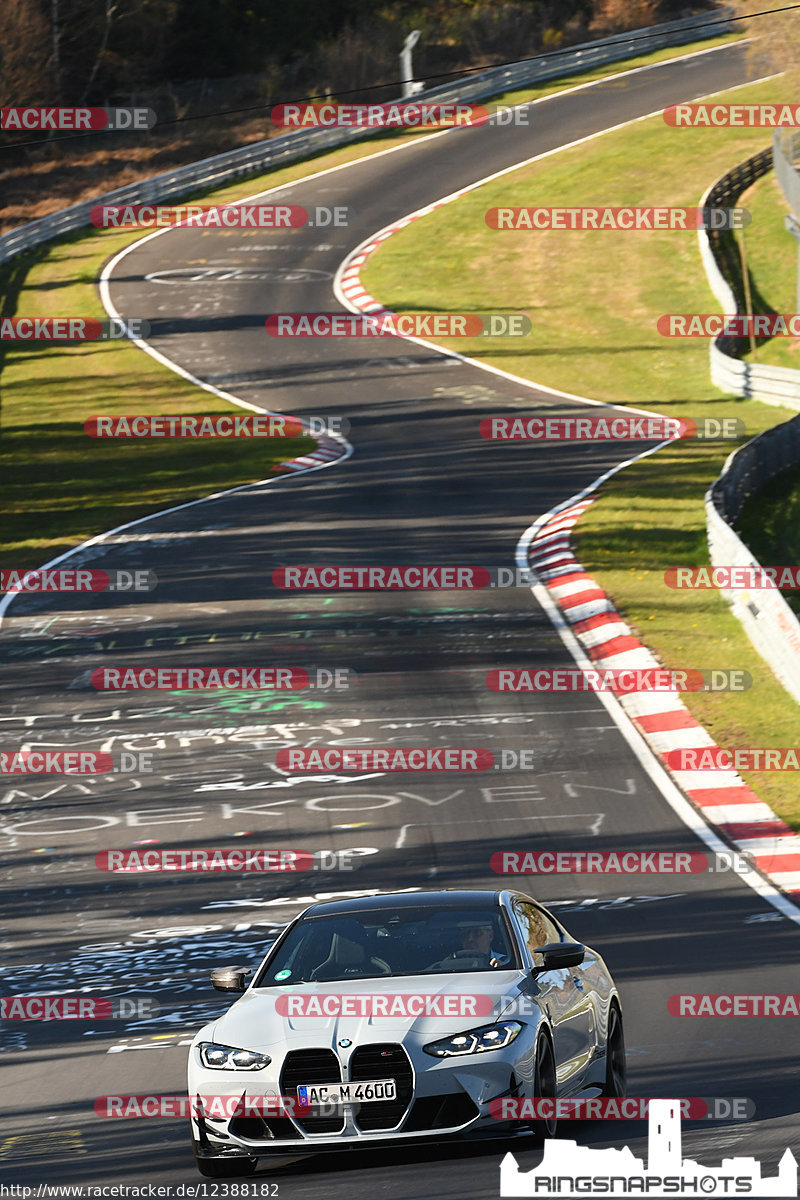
(722, 797)
(327, 451)
(348, 281)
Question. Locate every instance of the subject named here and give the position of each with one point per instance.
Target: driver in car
(476, 942)
(477, 938)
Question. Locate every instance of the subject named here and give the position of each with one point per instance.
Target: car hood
(266, 1017)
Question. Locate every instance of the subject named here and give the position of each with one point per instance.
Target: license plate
(347, 1093)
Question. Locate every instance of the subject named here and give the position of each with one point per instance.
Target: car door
(565, 997)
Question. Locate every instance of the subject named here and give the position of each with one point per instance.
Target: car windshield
(390, 942)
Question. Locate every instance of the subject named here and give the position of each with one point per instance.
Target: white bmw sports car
(404, 1017)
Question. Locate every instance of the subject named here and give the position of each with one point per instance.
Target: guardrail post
(793, 226)
(410, 88)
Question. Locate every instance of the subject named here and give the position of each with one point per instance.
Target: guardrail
(765, 615)
(768, 620)
(785, 152)
(718, 250)
(291, 147)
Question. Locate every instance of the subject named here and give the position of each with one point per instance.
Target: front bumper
(436, 1100)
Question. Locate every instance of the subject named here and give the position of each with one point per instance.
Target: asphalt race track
(420, 487)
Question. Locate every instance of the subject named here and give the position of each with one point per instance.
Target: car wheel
(223, 1168)
(544, 1084)
(615, 1055)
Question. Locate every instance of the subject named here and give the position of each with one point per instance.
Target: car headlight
(475, 1041)
(229, 1058)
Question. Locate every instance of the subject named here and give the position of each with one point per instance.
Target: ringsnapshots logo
(390, 324)
(168, 679)
(629, 219)
(220, 216)
(72, 329)
(618, 862)
(618, 428)
(567, 1169)
(76, 1008)
(732, 578)
(719, 116)
(623, 680)
(75, 579)
(76, 120)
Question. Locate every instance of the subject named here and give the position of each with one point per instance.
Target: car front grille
(383, 1061)
(312, 1066)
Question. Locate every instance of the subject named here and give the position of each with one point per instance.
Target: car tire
(615, 1082)
(544, 1084)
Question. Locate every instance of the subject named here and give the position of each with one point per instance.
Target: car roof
(442, 898)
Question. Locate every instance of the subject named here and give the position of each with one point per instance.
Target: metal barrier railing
(768, 620)
(786, 152)
(765, 615)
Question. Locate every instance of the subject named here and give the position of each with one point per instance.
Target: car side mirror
(230, 979)
(558, 955)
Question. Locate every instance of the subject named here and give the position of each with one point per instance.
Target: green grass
(594, 299)
(61, 486)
